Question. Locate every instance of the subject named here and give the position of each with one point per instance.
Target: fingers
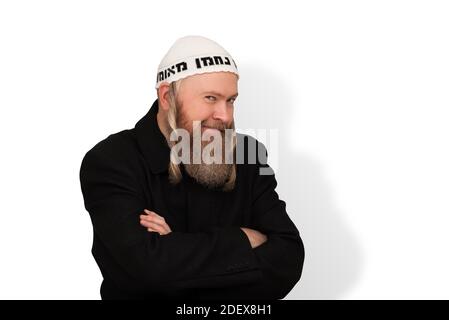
(157, 218)
(153, 225)
(153, 217)
(148, 223)
(256, 238)
(154, 222)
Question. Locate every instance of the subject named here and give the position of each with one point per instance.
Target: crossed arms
(262, 262)
(155, 223)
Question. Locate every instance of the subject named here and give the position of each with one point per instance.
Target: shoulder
(118, 149)
(115, 144)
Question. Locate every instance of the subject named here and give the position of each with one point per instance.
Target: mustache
(218, 125)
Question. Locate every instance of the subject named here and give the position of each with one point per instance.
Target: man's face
(208, 98)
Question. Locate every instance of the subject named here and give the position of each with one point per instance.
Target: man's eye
(232, 100)
(211, 98)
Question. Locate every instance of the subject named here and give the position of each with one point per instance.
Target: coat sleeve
(281, 257)
(220, 257)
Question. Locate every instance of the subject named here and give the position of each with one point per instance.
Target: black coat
(207, 255)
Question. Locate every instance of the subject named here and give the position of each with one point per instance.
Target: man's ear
(162, 92)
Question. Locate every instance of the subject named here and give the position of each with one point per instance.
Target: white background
(358, 90)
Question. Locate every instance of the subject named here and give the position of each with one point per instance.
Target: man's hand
(154, 223)
(255, 237)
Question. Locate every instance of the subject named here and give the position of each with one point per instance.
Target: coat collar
(152, 142)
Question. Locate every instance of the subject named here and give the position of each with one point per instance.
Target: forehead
(224, 83)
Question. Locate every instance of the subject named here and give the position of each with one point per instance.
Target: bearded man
(177, 208)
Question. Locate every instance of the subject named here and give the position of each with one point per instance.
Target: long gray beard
(211, 175)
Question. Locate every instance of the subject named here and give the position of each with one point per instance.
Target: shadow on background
(333, 258)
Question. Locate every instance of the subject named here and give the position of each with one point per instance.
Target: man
(167, 226)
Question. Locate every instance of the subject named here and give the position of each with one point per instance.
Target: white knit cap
(193, 55)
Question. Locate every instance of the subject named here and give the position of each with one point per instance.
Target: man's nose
(222, 112)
